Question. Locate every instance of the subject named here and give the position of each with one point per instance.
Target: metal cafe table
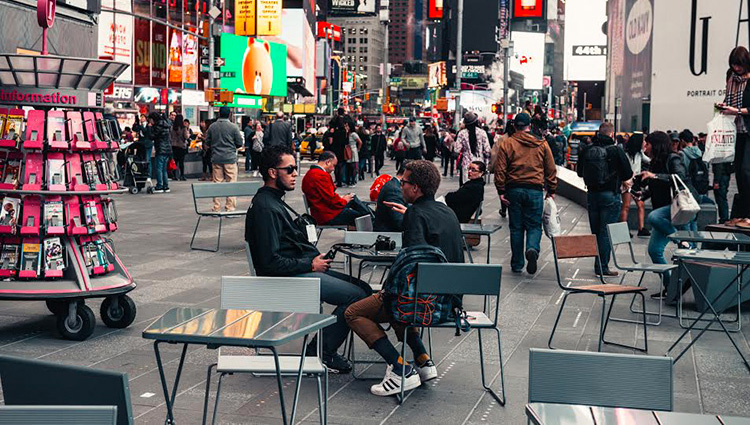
(570, 414)
(718, 238)
(367, 256)
(216, 328)
(479, 229)
(739, 259)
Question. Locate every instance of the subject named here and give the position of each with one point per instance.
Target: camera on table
(384, 243)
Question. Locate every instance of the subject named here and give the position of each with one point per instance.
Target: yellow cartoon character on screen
(257, 67)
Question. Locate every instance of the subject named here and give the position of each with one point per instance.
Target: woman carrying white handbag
(672, 197)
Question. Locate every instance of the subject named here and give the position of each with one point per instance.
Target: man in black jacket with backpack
(604, 168)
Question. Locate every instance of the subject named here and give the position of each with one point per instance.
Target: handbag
(347, 152)
(684, 206)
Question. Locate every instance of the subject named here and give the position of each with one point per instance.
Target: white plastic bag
(720, 140)
(550, 219)
(684, 206)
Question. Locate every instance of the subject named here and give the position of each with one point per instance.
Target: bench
(219, 190)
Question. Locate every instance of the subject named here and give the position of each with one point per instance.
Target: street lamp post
(459, 57)
(329, 36)
(384, 70)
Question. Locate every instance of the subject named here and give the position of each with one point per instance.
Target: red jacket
(324, 202)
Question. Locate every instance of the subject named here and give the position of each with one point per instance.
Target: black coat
(144, 135)
(160, 135)
(465, 201)
(619, 165)
(429, 222)
(387, 220)
(379, 144)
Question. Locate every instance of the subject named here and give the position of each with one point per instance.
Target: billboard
(691, 46)
(528, 58)
(268, 15)
(256, 66)
(435, 9)
(190, 61)
(298, 37)
(244, 17)
(528, 9)
(327, 30)
(352, 7)
(142, 61)
(116, 35)
(437, 75)
(637, 31)
(175, 58)
(585, 47)
(158, 54)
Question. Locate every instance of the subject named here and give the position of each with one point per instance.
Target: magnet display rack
(58, 172)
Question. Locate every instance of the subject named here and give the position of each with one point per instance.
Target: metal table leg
(169, 400)
(468, 251)
(489, 245)
(299, 380)
(281, 384)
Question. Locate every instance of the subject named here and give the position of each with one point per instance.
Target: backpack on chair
(399, 292)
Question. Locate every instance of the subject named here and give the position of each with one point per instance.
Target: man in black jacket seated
(426, 222)
(280, 248)
(387, 220)
(465, 201)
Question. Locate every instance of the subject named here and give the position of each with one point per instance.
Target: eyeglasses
(475, 170)
(404, 181)
(289, 169)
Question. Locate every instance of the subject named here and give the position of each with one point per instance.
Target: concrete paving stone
(486, 410)
(726, 396)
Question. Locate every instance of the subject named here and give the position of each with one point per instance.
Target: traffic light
(497, 108)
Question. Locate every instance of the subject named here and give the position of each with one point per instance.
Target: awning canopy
(58, 72)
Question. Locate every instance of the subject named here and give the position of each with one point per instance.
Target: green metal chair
(219, 190)
(601, 379)
(619, 234)
(584, 246)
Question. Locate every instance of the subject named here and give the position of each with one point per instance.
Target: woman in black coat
(465, 201)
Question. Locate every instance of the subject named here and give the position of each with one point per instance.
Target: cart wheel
(150, 190)
(134, 190)
(118, 315)
(82, 326)
(58, 307)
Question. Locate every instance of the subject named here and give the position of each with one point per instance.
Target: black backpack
(597, 170)
(698, 173)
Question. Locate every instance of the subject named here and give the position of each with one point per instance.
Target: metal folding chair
(619, 234)
(320, 227)
(292, 294)
(475, 279)
(584, 246)
(363, 224)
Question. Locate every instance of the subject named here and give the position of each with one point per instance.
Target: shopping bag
(721, 138)
(550, 219)
(171, 165)
(684, 206)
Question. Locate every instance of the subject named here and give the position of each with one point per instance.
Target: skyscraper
(406, 31)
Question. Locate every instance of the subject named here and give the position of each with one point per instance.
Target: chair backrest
(212, 190)
(463, 279)
(58, 415)
(478, 212)
(250, 259)
(368, 238)
(304, 201)
(291, 294)
(576, 246)
(601, 379)
(33, 382)
(364, 223)
(619, 233)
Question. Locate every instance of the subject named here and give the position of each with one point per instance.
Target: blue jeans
(162, 181)
(525, 220)
(147, 154)
(336, 289)
(660, 221)
(604, 208)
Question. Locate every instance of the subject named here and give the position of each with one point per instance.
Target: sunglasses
(289, 169)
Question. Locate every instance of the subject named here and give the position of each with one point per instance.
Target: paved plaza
(153, 241)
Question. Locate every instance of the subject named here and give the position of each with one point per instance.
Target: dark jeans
(414, 153)
(179, 159)
(525, 220)
(604, 208)
(248, 160)
(162, 181)
(351, 173)
(340, 173)
(207, 168)
(363, 166)
(147, 158)
(354, 209)
(400, 156)
(720, 195)
(446, 160)
(379, 161)
(336, 289)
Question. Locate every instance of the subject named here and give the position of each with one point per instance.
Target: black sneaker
(644, 233)
(166, 190)
(337, 363)
(531, 256)
(659, 295)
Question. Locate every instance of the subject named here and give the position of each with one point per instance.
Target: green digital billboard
(253, 66)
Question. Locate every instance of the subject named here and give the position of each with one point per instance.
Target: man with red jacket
(327, 206)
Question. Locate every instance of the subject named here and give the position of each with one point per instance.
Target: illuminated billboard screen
(352, 7)
(298, 37)
(435, 9)
(253, 66)
(529, 9)
(528, 58)
(585, 43)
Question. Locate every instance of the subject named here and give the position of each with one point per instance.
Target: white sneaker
(391, 383)
(428, 371)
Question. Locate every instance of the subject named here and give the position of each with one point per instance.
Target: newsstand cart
(57, 176)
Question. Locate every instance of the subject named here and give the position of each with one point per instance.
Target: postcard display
(57, 170)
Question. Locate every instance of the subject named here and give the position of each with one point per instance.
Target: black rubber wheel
(83, 326)
(120, 315)
(134, 190)
(57, 307)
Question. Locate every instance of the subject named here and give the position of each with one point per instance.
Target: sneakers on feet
(428, 371)
(531, 256)
(166, 190)
(608, 273)
(336, 363)
(158, 190)
(644, 233)
(391, 383)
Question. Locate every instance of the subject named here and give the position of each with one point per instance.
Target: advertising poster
(528, 58)
(142, 62)
(269, 17)
(691, 46)
(158, 55)
(435, 9)
(190, 61)
(244, 17)
(175, 58)
(585, 56)
(437, 74)
(636, 76)
(297, 35)
(116, 35)
(257, 66)
(528, 9)
(352, 7)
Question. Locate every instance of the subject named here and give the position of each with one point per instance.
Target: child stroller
(137, 174)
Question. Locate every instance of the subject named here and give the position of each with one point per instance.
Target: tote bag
(684, 206)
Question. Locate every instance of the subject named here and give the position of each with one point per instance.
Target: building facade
(406, 31)
(363, 39)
